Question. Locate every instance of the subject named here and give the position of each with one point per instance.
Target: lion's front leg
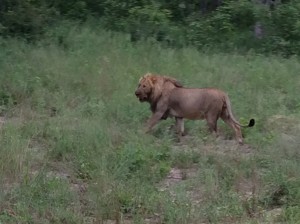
(179, 126)
(153, 120)
(158, 113)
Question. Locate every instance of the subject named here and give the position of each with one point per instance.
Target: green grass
(73, 151)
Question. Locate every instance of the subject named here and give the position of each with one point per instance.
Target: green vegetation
(73, 151)
(262, 26)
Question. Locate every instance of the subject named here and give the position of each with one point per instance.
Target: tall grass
(73, 151)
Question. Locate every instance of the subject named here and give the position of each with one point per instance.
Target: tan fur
(168, 98)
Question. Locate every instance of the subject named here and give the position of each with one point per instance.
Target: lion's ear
(177, 83)
(174, 81)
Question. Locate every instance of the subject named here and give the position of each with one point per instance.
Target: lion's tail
(228, 105)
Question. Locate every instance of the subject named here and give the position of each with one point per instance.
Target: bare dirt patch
(175, 176)
(286, 124)
(288, 127)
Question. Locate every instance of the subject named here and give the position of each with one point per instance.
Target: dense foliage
(266, 26)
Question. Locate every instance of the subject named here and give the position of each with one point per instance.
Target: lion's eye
(144, 86)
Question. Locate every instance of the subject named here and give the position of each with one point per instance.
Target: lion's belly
(191, 115)
(194, 116)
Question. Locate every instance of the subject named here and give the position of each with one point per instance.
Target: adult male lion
(168, 98)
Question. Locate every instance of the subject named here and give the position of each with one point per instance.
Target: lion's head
(145, 86)
(151, 86)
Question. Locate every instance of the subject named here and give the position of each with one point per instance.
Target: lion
(168, 98)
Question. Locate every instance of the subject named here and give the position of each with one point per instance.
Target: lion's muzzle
(140, 96)
(137, 93)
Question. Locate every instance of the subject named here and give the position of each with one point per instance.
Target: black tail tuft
(251, 123)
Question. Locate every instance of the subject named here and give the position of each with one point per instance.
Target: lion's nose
(137, 93)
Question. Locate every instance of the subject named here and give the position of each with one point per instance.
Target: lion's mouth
(143, 99)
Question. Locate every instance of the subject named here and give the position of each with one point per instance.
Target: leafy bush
(25, 18)
(284, 29)
(222, 25)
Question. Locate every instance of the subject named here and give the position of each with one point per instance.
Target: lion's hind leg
(211, 120)
(237, 129)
